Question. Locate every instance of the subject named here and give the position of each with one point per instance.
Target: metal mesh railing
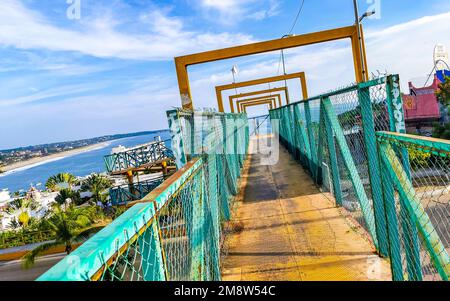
(335, 121)
(348, 109)
(259, 125)
(334, 138)
(417, 185)
(175, 232)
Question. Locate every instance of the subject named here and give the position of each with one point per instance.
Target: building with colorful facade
(422, 108)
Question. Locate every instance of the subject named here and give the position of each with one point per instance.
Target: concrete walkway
(291, 231)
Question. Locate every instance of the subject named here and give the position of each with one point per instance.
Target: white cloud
(23, 28)
(87, 116)
(405, 49)
(224, 5)
(59, 92)
(231, 12)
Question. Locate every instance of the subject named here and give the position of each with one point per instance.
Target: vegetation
(353, 117)
(443, 94)
(97, 185)
(11, 239)
(68, 221)
(22, 210)
(59, 181)
(418, 159)
(441, 131)
(68, 194)
(68, 224)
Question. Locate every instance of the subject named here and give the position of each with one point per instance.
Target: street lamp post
(358, 21)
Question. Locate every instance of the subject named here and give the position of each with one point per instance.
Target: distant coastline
(19, 155)
(8, 169)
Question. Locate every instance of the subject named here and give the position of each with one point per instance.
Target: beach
(79, 162)
(53, 157)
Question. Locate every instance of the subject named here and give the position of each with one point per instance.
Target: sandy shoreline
(53, 157)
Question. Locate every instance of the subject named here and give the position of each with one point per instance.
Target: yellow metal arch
(349, 32)
(300, 75)
(273, 103)
(249, 100)
(232, 98)
(269, 102)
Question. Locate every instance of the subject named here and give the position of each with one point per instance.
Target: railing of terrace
(137, 157)
(175, 232)
(333, 137)
(126, 193)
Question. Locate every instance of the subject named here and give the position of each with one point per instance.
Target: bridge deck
(292, 231)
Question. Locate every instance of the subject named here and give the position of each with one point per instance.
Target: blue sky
(112, 71)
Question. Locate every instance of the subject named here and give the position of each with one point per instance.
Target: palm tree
(67, 193)
(69, 225)
(97, 184)
(54, 182)
(22, 210)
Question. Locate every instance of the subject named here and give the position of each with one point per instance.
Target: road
(12, 270)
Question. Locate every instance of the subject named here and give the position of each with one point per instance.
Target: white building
(5, 198)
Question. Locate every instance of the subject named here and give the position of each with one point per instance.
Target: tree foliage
(21, 210)
(441, 131)
(68, 194)
(69, 224)
(443, 94)
(97, 185)
(57, 182)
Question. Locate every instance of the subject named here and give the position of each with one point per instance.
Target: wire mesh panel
(259, 125)
(348, 108)
(338, 146)
(175, 232)
(334, 139)
(418, 177)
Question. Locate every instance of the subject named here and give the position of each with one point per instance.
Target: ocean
(82, 164)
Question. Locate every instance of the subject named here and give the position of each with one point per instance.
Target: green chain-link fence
(175, 232)
(416, 185)
(333, 137)
(259, 125)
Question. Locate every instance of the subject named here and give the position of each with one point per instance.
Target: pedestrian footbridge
(291, 230)
(328, 188)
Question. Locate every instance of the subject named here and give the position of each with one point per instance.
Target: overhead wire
(290, 32)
